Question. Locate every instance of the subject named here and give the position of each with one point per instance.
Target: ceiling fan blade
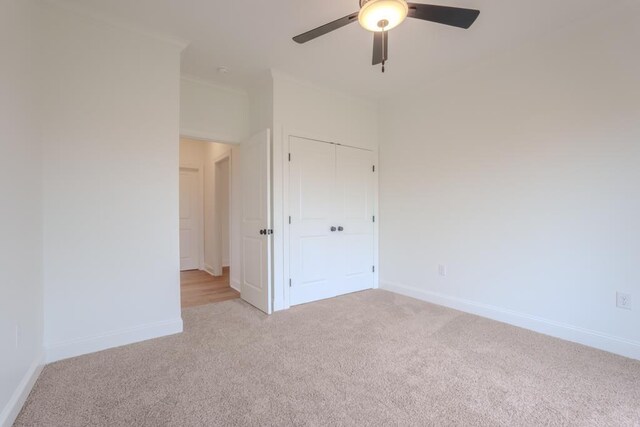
(454, 16)
(326, 28)
(380, 54)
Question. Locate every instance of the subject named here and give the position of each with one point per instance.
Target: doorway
(239, 234)
(206, 220)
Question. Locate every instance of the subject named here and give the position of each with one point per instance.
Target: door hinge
(289, 219)
(373, 168)
(373, 268)
(289, 282)
(373, 218)
(289, 156)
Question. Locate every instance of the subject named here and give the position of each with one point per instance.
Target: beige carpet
(371, 358)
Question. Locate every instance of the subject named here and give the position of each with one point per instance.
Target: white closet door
(312, 209)
(331, 232)
(354, 216)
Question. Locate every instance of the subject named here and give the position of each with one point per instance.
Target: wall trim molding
(206, 137)
(588, 337)
(234, 284)
(80, 346)
(19, 397)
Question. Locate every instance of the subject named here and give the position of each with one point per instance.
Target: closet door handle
(340, 228)
(333, 228)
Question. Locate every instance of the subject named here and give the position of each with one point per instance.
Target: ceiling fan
(380, 16)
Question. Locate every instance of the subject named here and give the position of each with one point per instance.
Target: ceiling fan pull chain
(384, 54)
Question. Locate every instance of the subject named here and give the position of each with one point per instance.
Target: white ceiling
(251, 36)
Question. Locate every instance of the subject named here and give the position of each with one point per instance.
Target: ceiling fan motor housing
(382, 15)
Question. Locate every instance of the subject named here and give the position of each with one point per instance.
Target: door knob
(333, 228)
(340, 228)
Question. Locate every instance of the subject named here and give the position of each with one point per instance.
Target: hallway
(198, 287)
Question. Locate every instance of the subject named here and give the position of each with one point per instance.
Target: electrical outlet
(442, 270)
(623, 300)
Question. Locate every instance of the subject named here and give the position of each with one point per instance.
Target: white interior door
(354, 216)
(189, 219)
(255, 158)
(312, 175)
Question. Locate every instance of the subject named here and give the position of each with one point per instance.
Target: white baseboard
(118, 338)
(209, 269)
(19, 397)
(234, 284)
(599, 340)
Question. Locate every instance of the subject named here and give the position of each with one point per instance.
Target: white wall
(213, 237)
(323, 113)
(261, 105)
(192, 153)
(111, 133)
(521, 176)
(21, 297)
(213, 112)
(222, 196)
(235, 220)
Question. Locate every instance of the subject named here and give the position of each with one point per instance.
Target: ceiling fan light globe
(375, 11)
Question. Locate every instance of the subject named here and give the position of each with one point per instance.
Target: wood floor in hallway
(198, 287)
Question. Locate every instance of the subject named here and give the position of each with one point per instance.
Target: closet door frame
(283, 272)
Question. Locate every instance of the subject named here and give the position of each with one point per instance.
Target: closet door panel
(355, 207)
(312, 208)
